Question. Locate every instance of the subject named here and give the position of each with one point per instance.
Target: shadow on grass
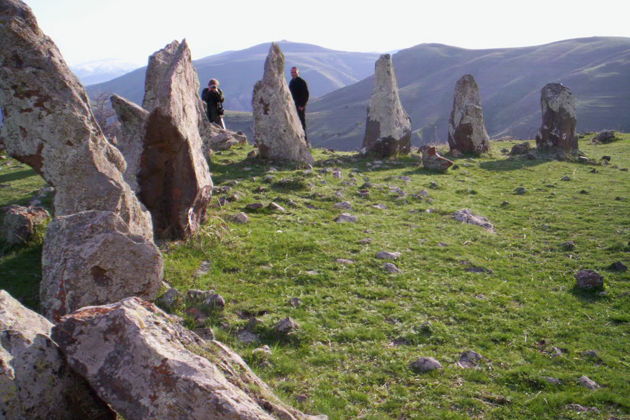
(16, 176)
(20, 274)
(589, 296)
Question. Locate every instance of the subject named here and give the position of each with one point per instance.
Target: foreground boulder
(91, 258)
(48, 124)
(35, 380)
(147, 367)
(557, 131)
(466, 128)
(278, 132)
(388, 127)
(173, 179)
(19, 223)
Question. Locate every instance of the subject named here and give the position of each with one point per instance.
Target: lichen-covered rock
(174, 179)
(557, 131)
(466, 128)
(19, 222)
(467, 216)
(48, 124)
(133, 119)
(91, 258)
(433, 161)
(35, 380)
(147, 367)
(278, 132)
(388, 127)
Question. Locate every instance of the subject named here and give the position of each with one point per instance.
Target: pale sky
(131, 30)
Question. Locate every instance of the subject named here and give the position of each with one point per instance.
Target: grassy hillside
(507, 295)
(597, 70)
(326, 70)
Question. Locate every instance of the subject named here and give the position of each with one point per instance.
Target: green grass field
(361, 326)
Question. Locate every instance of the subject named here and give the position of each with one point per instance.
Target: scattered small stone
(380, 206)
(365, 241)
(214, 301)
(591, 354)
(606, 158)
(618, 266)
(587, 382)
(425, 364)
(520, 149)
(469, 359)
(552, 380)
(286, 326)
(196, 296)
(520, 190)
(556, 352)
(466, 216)
(344, 261)
(343, 205)
(568, 246)
(301, 398)
(565, 178)
(584, 192)
(204, 267)
(434, 185)
(240, 218)
(205, 333)
(247, 337)
(391, 268)
(346, 218)
(405, 178)
(254, 206)
(594, 171)
(295, 302)
(442, 244)
(312, 272)
(581, 409)
(589, 279)
(260, 189)
(268, 179)
(276, 207)
(385, 255)
(505, 203)
(169, 299)
(337, 173)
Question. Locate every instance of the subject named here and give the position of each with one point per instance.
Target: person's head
(295, 72)
(213, 82)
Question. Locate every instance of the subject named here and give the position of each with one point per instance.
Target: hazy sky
(131, 30)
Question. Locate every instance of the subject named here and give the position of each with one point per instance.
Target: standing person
(213, 97)
(299, 91)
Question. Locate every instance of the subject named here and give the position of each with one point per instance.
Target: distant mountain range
(99, 71)
(597, 70)
(237, 71)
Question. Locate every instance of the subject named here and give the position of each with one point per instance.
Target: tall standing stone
(278, 132)
(48, 124)
(388, 127)
(466, 128)
(35, 379)
(174, 180)
(557, 131)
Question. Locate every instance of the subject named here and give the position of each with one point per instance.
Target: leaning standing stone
(278, 132)
(35, 380)
(557, 131)
(466, 128)
(388, 127)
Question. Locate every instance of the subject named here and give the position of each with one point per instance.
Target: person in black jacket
(299, 91)
(213, 97)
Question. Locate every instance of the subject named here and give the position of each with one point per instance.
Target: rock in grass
(588, 279)
(386, 255)
(169, 299)
(568, 246)
(240, 218)
(469, 359)
(275, 207)
(346, 218)
(343, 205)
(425, 364)
(295, 302)
(344, 261)
(286, 326)
(587, 382)
(19, 223)
(467, 216)
(520, 190)
(551, 380)
(391, 268)
(618, 266)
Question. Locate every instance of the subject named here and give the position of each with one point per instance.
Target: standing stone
(148, 367)
(174, 179)
(278, 132)
(557, 131)
(49, 125)
(83, 253)
(466, 128)
(388, 127)
(133, 120)
(35, 380)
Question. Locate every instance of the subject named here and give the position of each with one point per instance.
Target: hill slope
(326, 70)
(596, 69)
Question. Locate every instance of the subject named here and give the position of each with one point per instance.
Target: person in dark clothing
(299, 91)
(213, 97)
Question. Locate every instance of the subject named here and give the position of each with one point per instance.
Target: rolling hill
(326, 70)
(597, 70)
